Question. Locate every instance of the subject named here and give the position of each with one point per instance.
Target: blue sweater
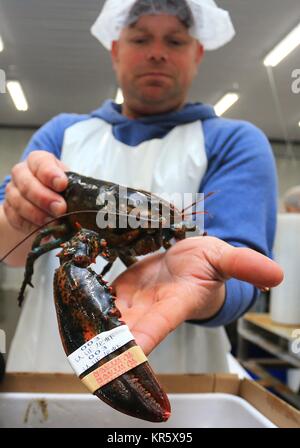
(241, 169)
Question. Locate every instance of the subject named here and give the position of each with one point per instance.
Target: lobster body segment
(86, 309)
(86, 193)
(86, 198)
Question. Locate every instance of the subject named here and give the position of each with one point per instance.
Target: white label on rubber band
(97, 348)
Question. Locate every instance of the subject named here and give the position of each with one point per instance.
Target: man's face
(155, 61)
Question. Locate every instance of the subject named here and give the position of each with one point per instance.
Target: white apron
(175, 163)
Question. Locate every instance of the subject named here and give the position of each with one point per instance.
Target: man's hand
(31, 197)
(187, 282)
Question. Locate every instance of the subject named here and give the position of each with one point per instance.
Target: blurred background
(46, 46)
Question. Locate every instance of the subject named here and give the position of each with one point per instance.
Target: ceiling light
(284, 48)
(119, 97)
(1, 44)
(17, 95)
(225, 103)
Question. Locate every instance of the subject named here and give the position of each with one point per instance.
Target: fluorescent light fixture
(284, 48)
(226, 102)
(1, 44)
(119, 97)
(299, 124)
(17, 95)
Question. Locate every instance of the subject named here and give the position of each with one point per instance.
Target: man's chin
(154, 95)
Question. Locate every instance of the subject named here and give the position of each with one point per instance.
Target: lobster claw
(136, 393)
(100, 347)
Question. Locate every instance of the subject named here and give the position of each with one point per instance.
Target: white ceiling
(62, 68)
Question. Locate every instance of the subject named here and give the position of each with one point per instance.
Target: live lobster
(89, 321)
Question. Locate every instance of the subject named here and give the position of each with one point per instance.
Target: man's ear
(200, 53)
(114, 52)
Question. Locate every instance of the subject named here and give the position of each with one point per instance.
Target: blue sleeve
(48, 138)
(242, 173)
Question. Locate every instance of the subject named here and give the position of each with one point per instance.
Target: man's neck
(134, 113)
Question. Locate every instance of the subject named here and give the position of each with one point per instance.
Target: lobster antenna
(200, 213)
(197, 213)
(40, 228)
(65, 215)
(197, 202)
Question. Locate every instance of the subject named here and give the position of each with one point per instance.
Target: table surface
(264, 321)
(277, 340)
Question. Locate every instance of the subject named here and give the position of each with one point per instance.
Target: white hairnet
(211, 25)
(178, 8)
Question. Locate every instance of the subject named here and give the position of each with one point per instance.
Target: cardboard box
(274, 409)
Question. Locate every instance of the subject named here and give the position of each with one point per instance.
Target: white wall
(288, 174)
(12, 144)
(288, 166)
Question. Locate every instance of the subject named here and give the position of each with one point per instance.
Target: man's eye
(176, 42)
(139, 40)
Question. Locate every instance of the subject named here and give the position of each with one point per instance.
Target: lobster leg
(106, 268)
(109, 256)
(36, 251)
(58, 231)
(127, 259)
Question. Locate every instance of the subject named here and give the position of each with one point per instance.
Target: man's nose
(157, 52)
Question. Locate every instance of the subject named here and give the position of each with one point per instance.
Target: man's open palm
(186, 282)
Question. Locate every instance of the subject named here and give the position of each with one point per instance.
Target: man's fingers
(250, 266)
(48, 170)
(155, 324)
(30, 189)
(149, 333)
(33, 191)
(15, 220)
(25, 209)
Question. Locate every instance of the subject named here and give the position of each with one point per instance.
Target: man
(159, 143)
(291, 200)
